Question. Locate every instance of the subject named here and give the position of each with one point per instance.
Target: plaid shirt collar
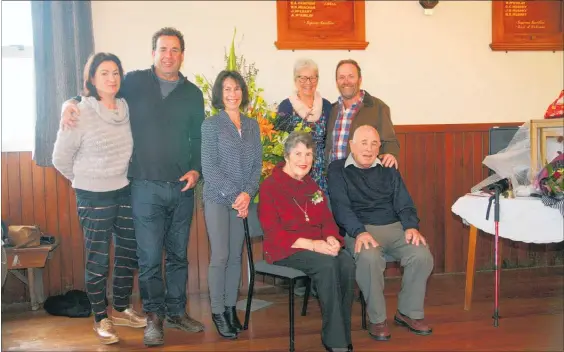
(355, 104)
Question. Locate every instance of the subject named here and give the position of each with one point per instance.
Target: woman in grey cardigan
(231, 167)
(94, 156)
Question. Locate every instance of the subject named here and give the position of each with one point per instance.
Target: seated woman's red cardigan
(282, 220)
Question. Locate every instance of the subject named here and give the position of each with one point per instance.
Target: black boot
(223, 326)
(231, 314)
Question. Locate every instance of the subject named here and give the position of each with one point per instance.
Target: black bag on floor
(73, 304)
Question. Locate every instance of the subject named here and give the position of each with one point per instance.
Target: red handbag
(556, 109)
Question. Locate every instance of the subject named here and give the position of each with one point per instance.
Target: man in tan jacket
(355, 108)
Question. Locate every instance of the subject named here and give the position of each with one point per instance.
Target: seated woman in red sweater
(299, 232)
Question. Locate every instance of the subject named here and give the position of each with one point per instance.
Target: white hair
(304, 63)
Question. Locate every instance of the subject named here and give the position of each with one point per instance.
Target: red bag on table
(556, 109)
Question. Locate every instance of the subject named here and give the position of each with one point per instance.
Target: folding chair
(264, 268)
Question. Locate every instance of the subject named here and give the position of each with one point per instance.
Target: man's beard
(351, 95)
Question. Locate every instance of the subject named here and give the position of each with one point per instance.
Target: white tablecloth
(523, 219)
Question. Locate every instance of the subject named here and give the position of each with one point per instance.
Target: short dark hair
(168, 31)
(95, 60)
(217, 90)
(349, 61)
(297, 137)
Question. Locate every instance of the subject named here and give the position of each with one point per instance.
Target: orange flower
(267, 168)
(266, 128)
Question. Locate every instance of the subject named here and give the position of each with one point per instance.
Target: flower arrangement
(553, 183)
(258, 108)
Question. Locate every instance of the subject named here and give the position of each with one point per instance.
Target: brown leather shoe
(379, 331)
(154, 332)
(129, 317)
(417, 326)
(185, 323)
(105, 331)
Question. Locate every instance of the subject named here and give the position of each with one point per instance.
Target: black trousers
(334, 278)
(102, 214)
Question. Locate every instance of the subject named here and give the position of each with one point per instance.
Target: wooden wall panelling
(52, 228)
(39, 211)
(76, 243)
(11, 209)
(450, 242)
(485, 241)
(439, 163)
(63, 217)
(438, 209)
(430, 183)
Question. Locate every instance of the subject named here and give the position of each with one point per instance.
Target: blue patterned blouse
(287, 121)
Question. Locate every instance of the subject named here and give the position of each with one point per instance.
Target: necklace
(303, 211)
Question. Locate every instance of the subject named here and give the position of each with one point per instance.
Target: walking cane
(495, 198)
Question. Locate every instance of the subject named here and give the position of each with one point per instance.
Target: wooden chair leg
(35, 285)
(306, 297)
(470, 267)
(291, 311)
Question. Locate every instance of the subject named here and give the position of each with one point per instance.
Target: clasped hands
(241, 204)
(366, 240)
(330, 246)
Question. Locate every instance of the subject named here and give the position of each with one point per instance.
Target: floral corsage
(317, 197)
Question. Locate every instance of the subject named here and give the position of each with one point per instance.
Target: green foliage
(257, 107)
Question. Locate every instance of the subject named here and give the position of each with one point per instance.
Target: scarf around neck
(309, 114)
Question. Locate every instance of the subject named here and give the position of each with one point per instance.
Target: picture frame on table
(547, 139)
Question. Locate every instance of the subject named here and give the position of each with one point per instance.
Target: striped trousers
(101, 215)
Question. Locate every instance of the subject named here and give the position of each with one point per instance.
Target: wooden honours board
(527, 25)
(321, 25)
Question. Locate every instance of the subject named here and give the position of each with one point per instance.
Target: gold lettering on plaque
(515, 9)
(302, 9)
(319, 23)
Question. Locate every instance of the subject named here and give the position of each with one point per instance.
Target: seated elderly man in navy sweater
(377, 216)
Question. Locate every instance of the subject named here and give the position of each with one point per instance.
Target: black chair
(264, 268)
(389, 259)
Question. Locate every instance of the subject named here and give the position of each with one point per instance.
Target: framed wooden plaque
(319, 25)
(527, 25)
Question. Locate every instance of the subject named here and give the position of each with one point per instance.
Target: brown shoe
(129, 317)
(379, 331)
(417, 326)
(105, 331)
(185, 323)
(154, 332)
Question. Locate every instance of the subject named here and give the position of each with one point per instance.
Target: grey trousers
(226, 235)
(417, 262)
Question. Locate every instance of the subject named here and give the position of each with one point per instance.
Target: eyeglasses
(304, 79)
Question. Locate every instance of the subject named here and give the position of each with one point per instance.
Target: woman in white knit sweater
(95, 156)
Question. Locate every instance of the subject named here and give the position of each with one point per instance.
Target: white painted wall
(430, 69)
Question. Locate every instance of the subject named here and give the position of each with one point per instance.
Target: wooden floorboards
(531, 309)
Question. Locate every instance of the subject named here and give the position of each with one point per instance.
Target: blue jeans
(162, 215)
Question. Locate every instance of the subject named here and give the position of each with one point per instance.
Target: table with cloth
(523, 219)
